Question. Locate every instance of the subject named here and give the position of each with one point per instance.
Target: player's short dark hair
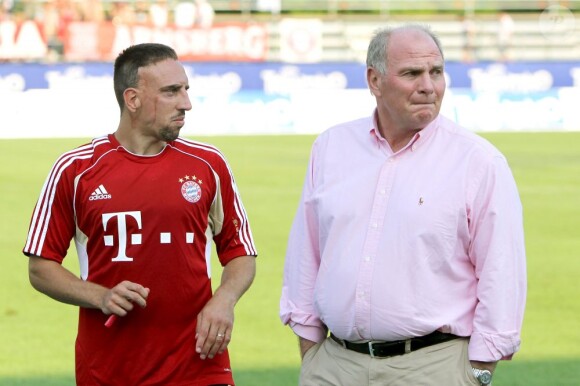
(129, 61)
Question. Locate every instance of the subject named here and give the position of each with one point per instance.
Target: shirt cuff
(312, 333)
(491, 348)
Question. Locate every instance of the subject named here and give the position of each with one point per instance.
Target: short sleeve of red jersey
(52, 225)
(235, 238)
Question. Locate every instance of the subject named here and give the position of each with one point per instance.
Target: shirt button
(367, 258)
(383, 192)
(375, 225)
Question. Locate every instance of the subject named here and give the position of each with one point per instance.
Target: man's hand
(484, 365)
(305, 345)
(119, 299)
(216, 320)
(214, 327)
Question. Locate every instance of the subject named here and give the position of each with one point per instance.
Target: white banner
(68, 112)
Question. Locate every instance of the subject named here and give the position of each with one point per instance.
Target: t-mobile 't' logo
(122, 232)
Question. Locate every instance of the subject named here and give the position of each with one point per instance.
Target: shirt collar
(418, 139)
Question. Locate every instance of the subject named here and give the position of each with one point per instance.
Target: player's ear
(132, 101)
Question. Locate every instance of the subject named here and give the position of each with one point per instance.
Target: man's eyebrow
(412, 68)
(419, 68)
(438, 67)
(173, 87)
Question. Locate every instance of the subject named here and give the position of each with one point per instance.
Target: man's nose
(185, 103)
(426, 84)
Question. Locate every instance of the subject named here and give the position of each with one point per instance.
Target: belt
(399, 347)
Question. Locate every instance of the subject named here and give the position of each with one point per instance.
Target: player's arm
(215, 321)
(54, 280)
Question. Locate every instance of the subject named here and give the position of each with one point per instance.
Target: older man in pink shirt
(406, 259)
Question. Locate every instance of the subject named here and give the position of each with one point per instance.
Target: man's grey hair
(377, 52)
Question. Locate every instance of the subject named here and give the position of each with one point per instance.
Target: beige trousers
(443, 364)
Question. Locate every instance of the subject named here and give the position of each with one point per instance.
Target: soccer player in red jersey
(143, 207)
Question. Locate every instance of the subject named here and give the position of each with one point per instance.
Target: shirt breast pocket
(437, 229)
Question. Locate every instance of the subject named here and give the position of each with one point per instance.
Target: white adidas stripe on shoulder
(200, 145)
(42, 211)
(245, 232)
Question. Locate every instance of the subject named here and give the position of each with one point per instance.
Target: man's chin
(169, 135)
(425, 117)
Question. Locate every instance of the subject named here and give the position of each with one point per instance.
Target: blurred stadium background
(511, 65)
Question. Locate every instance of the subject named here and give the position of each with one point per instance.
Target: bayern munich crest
(191, 190)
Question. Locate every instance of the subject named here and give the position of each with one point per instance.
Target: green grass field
(37, 334)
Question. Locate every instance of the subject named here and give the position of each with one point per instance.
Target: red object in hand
(111, 320)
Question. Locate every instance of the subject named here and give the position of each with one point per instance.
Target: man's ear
(373, 81)
(132, 101)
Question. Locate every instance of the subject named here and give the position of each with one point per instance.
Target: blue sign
(281, 79)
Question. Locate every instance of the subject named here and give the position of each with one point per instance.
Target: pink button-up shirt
(388, 246)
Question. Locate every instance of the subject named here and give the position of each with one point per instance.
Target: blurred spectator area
(95, 9)
(468, 29)
(348, 38)
(335, 7)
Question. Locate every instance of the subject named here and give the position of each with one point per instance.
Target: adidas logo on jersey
(100, 194)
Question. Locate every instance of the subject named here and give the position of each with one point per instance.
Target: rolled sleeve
(301, 268)
(491, 348)
(304, 324)
(498, 254)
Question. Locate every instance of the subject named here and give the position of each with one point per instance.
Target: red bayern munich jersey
(150, 220)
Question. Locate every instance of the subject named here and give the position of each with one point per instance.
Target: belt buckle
(371, 350)
(407, 346)
(407, 343)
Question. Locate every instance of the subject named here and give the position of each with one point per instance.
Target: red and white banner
(21, 41)
(89, 41)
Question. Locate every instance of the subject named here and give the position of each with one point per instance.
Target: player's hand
(214, 327)
(120, 299)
